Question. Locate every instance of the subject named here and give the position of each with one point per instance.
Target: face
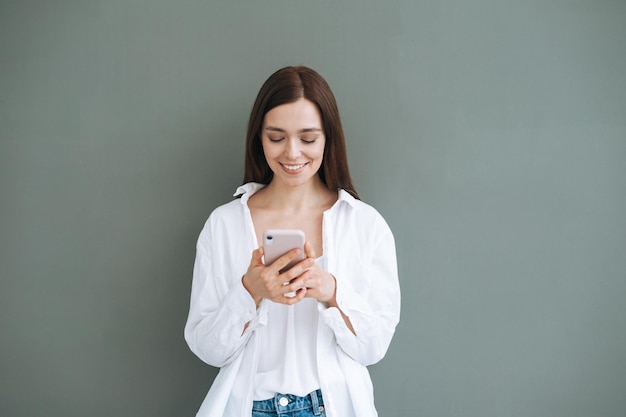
(293, 142)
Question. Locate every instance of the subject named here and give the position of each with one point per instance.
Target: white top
(288, 360)
(359, 252)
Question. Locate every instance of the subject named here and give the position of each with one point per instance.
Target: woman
(279, 353)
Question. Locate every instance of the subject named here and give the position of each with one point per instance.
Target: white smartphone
(277, 242)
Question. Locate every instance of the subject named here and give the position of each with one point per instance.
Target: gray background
(490, 134)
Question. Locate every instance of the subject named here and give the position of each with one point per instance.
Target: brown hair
(288, 85)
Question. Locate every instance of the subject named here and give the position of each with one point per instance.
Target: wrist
(331, 301)
(257, 300)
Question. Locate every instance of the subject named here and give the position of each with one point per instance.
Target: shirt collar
(247, 190)
(347, 197)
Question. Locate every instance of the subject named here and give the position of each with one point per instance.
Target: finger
(293, 299)
(298, 269)
(300, 281)
(309, 251)
(284, 260)
(257, 256)
(300, 294)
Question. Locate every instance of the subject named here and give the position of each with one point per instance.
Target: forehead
(301, 114)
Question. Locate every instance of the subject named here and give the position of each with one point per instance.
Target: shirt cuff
(241, 303)
(332, 317)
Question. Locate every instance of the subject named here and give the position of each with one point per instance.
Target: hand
(320, 284)
(323, 286)
(263, 281)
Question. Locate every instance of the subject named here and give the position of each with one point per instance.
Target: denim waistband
(282, 403)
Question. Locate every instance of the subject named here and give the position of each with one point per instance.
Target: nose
(292, 148)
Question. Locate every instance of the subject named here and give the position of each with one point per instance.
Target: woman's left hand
(320, 284)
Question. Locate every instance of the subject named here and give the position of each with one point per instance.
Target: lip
(294, 169)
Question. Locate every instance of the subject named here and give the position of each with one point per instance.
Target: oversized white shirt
(359, 251)
(288, 363)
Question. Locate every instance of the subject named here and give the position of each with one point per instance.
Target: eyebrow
(306, 130)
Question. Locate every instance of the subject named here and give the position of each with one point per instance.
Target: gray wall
(491, 135)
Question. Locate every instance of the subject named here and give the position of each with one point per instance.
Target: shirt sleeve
(374, 311)
(219, 308)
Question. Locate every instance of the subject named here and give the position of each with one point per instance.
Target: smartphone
(277, 242)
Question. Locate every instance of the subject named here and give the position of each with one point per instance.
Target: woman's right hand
(267, 282)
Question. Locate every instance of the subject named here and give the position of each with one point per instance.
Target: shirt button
(283, 401)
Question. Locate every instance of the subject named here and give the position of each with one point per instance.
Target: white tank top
(288, 355)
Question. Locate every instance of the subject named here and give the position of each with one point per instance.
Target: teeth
(293, 167)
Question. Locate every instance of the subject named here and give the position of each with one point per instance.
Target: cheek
(268, 151)
(320, 150)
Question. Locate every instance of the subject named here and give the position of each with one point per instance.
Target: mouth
(293, 168)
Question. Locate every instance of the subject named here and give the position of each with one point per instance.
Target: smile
(293, 167)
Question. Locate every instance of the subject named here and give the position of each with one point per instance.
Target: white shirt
(288, 343)
(359, 251)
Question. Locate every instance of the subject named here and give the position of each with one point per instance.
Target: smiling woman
(293, 142)
(298, 338)
(285, 87)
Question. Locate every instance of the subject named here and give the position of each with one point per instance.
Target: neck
(294, 198)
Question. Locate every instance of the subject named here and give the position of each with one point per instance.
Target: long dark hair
(288, 85)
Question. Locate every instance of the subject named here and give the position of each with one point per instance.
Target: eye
(275, 139)
(308, 140)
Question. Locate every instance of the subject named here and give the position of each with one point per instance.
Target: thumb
(309, 251)
(257, 256)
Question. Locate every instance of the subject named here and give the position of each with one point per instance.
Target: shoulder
(235, 209)
(359, 207)
(232, 211)
(363, 213)
(229, 208)
(224, 221)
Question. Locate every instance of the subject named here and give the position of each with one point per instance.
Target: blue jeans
(287, 405)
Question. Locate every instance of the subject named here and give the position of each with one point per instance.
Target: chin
(294, 182)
